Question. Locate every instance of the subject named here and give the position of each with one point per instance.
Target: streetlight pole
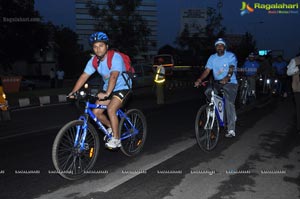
(254, 30)
(219, 5)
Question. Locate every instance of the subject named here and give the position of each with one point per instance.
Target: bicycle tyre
(69, 162)
(206, 139)
(133, 144)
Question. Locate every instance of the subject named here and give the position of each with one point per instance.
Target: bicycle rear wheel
(207, 139)
(135, 133)
(70, 161)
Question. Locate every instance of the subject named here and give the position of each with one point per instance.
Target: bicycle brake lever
(204, 83)
(72, 96)
(103, 99)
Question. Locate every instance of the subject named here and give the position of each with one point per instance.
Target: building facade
(195, 20)
(85, 24)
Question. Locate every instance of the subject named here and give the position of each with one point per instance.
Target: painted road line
(122, 175)
(38, 132)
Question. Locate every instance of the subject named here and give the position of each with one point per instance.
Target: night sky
(271, 31)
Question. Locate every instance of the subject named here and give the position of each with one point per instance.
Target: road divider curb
(39, 101)
(44, 100)
(62, 98)
(24, 102)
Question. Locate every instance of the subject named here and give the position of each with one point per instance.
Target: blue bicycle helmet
(98, 37)
(220, 41)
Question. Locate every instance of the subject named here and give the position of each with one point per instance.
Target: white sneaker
(230, 134)
(109, 130)
(113, 143)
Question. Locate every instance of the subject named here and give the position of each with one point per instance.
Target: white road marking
(39, 131)
(198, 186)
(122, 175)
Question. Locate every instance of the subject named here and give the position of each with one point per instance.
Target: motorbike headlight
(276, 81)
(4, 96)
(268, 81)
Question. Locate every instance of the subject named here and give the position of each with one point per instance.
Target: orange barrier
(11, 84)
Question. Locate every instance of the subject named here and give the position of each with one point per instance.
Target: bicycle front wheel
(70, 160)
(133, 132)
(207, 137)
(243, 96)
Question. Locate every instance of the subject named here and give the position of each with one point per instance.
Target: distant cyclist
(280, 67)
(223, 64)
(115, 89)
(250, 68)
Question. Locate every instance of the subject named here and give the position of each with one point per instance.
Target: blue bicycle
(76, 146)
(208, 121)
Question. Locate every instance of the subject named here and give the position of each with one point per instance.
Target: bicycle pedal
(112, 149)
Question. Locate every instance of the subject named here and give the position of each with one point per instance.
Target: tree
(200, 46)
(214, 28)
(126, 29)
(167, 49)
(21, 32)
(69, 54)
(184, 38)
(247, 45)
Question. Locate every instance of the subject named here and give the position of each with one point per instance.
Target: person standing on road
(293, 69)
(60, 77)
(115, 88)
(223, 64)
(52, 78)
(159, 80)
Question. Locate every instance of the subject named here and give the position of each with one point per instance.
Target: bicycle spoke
(75, 159)
(64, 164)
(130, 145)
(134, 119)
(72, 166)
(64, 151)
(70, 136)
(206, 138)
(202, 138)
(66, 145)
(134, 131)
(80, 164)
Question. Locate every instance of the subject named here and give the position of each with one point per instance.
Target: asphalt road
(261, 162)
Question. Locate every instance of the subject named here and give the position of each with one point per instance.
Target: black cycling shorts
(121, 94)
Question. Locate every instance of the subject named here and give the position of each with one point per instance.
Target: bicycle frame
(219, 106)
(89, 113)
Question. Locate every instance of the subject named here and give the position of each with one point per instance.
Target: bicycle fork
(80, 137)
(210, 113)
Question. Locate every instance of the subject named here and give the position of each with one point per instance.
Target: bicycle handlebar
(83, 94)
(201, 84)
